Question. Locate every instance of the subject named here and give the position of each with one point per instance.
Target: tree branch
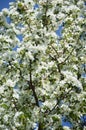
(65, 95)
(32, 87)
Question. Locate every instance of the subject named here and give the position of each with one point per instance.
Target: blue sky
(5, 3)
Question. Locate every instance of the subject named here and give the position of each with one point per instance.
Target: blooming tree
(42, 74)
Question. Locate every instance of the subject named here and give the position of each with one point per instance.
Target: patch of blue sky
(8, 20)
(15, 87)
(83, 118)
(15, 48)
(5, 3)
(65, 122)
(83, 75)
(83, 121)
(83, 65)
(36, 126)
(20, 37)
(20, 25)
(36, 6)
(59, 31)
(40, 103)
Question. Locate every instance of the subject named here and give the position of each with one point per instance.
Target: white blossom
(6, 117)
(66, 128)
(10, 83)
(16, 118)
(2, 89)
(5, 11)
(16, 94)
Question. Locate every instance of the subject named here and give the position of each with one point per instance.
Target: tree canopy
(42, 74)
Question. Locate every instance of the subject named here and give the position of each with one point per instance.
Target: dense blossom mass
(42, 73)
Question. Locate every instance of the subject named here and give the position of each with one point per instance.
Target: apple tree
(42, 73)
